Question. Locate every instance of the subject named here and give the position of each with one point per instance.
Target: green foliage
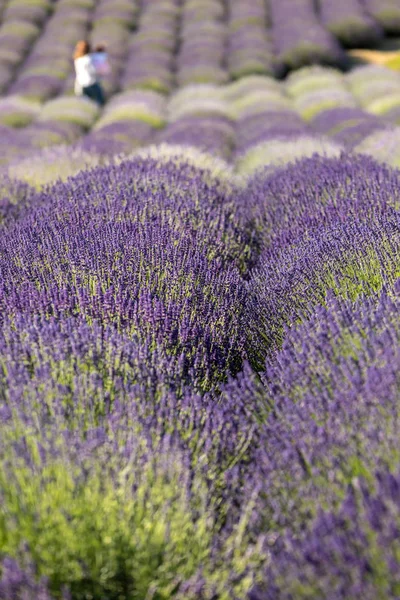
(116, 533)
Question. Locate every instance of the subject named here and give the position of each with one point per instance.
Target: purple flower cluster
(117, 137)
(140, 295)
(316, 89)
(332, 430)
(212, 134)
(289, 204)
(377, 90)
(19, 143)
(346, 554)
(135, 300)
(129, 120)
(335, 237)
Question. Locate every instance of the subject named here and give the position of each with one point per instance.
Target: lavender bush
(386, 13)
(43, 75)
(349, 126)
(349, 22)
(334, 386)
(299, 37)
(150, 58)
(199, 300)
(249, 44)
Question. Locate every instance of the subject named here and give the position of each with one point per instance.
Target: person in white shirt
(86, 78)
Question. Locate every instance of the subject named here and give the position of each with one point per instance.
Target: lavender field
(199, 303)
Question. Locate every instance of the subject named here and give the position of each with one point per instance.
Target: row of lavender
(217, 41)
(251, 123)
(195, 42)
(199, 390)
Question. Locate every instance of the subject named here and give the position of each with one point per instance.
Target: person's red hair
(81, 49)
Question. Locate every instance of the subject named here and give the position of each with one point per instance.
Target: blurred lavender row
(199, 116)
(299, 37)
(202, 41)
(377, 90)
(249, 48)
(150, 60)
(385, 12)
(20, 27)
(349, 22)
(3, 4)
(49, 62)
(253, 122)
(130, 120)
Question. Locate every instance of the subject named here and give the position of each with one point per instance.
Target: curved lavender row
(299, 37)
(17, 112)
(377, 89)
(16, 36)
(334, 388)
(140, 413)
(310, 240)
(17, 144)
(255, 94)
(270, 134)
(43, 75)
(352, 189)
(313, 78)
(383, 145)
(316, 89)
(202, 36)
(288, 148)
(153, 448)
(213, 206)
(348, 126)
(200, 117)
(150, 59)
(50, 164)
(265, 121)
(133, 241)
(348, 258)
(349, 22)
(385, 12)
(129, 120)
(119, 137)
(76, 110)
(33, 12)
(262, 127)
(214, 134)
(249, 45)
(138, 105)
